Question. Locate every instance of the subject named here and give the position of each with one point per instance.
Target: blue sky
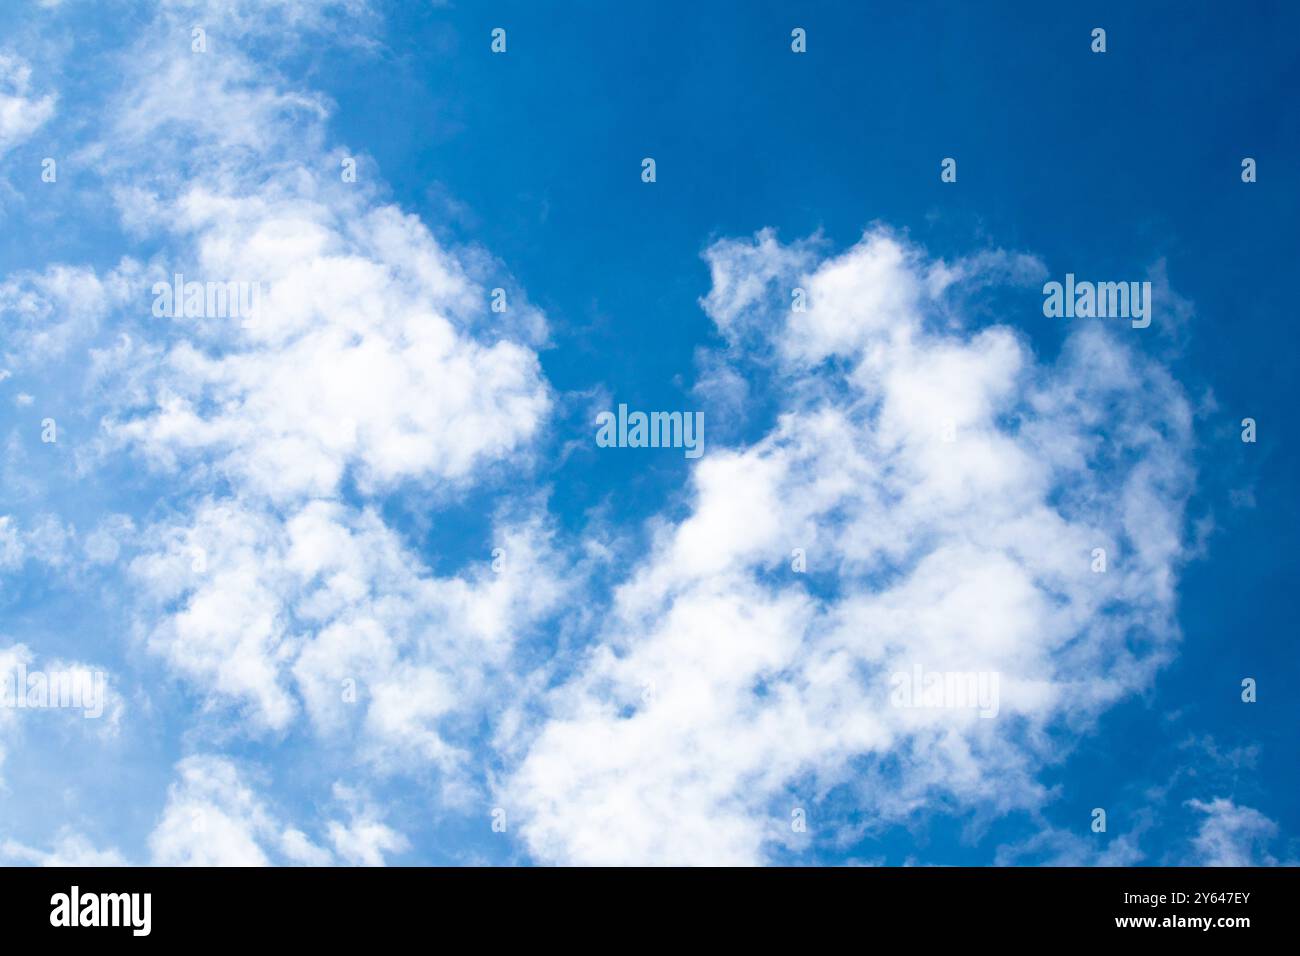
(233, 522)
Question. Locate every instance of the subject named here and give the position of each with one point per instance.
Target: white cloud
(373, 366)
(326, 609)
(1054, 847)
(229, 633)
(364, 840)
(743, 274)
(22, 112)
(45, 314)
(356, 362)
(70, 849)
(373, 354)
(766, 693)
(1231, 835)
(214, 817)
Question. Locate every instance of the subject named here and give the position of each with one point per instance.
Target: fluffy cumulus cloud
(326, 610)
(366, 354)
(215, 817)
(365, 367)
(353, 361)
(47, 313)
(947, 493)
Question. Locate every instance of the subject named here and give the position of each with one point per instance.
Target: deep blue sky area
(1104, 165)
